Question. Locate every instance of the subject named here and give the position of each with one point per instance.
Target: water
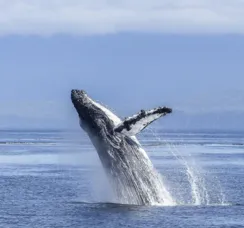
(55, 179)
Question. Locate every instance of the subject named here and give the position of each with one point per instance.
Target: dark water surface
(54, 179)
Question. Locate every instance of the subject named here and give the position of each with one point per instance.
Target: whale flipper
(133, 125)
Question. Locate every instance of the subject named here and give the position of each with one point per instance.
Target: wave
(143, 142)
(26, 143)
(121, 205)
(175, 143)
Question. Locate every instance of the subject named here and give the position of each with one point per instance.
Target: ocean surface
(54, 179)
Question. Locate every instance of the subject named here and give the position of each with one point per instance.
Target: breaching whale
(128, 167)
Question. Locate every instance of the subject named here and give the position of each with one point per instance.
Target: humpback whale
(128, 167)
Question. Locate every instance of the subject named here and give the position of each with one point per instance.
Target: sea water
(53, 178)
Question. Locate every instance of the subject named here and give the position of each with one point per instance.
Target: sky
(129, 55)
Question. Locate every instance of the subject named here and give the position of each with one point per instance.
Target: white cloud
(47, 17)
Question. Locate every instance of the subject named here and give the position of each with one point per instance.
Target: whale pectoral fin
(133, 125)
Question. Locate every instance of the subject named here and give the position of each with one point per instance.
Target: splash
(204, 190)
(140, 184)
(134, 187)
(131, 179)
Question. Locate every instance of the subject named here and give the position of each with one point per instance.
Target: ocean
(53, 178)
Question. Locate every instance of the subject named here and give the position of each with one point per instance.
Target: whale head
(94, 118)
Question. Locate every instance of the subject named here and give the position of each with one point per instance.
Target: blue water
(55, 179)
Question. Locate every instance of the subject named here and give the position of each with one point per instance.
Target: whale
(131, 174)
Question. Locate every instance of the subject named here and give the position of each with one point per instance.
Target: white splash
(200, 193)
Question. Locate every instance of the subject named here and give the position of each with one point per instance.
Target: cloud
(85, 17)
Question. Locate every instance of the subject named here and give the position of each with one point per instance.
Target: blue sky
(198, 71)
